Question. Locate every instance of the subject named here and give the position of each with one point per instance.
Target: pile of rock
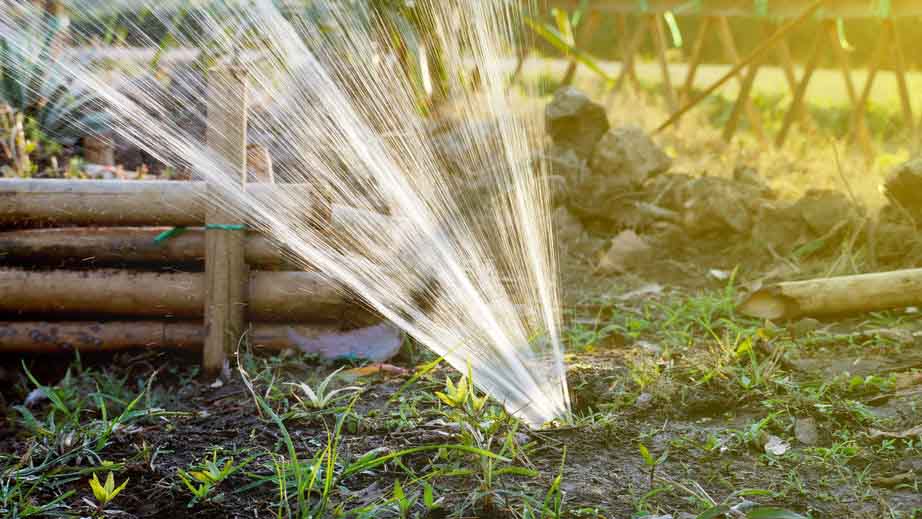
(614, 180)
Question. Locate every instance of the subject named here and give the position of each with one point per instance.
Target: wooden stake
(741, 101)
(695, 59)
(584, 33)
(801, 91)
(225, 266)
(628, 51)
(659, 42)
(900, 73)
(836, 296)
(729, 45)
(790, 74)
(757, 52)
(842, 59)
(857, 121)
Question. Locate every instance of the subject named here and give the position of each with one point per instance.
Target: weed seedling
(105, 493)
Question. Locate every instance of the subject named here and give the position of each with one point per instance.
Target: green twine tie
(761, 8)
(176, 231)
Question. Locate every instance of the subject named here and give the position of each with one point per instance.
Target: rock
(806, 432)
(779, 226)
(895, 241)
(629, 154)
(717, 205)
(750, 175)
(557, 190)
(904, 187)
(824, 209)
(627, 250)
(573, 121)
(567, 228)
(643, 401)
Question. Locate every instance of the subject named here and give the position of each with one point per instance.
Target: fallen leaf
(375, 369)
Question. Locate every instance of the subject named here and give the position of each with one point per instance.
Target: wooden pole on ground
(659, 43)
(225, 265)
(837, 295)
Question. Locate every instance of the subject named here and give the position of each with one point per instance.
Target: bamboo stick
(857, 121)
(226, 271)
(108, 336)
(763, 47)
(697, 47)
(835, 296)
(900, 72)
(628, 53)
(117, 202)
(273, 296)
(659, 43)
(845, 68)
(732, 54)
(801, 92)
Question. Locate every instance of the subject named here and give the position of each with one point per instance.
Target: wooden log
(50, 337)
(118, 202)
(836, 296)
(273, 296)
(225, 268)
(125, 245)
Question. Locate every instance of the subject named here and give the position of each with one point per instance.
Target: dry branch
(273, 296)
(835, 296)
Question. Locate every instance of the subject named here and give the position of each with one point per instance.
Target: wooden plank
(225, 264)
(801, 91)
(659, 43)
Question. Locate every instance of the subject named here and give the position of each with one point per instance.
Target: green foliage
(105, 493)
(34, 84)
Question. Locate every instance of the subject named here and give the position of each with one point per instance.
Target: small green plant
(405, 503)
(650, 461)
(319, 398)
(105, 493)
(209, 475)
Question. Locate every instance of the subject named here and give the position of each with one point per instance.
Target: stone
(567, 228)
(806, 432)
(751, 176)
(557, 190)
(573, 121)
(904, 187)
(627, 249)
(824, 209)
(779, 226)
(629, 153)
(717, 205)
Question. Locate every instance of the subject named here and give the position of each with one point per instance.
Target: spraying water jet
(471, 274)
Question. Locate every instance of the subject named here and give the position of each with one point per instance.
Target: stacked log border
(792, 14)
